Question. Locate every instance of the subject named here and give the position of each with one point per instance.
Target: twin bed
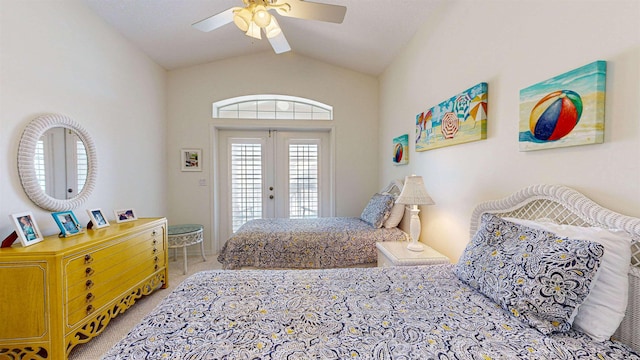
(320, 243)
(518, 292)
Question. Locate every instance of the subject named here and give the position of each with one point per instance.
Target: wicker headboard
(564, 205)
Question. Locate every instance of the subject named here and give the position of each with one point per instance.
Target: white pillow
(604, 308)
(397, 212)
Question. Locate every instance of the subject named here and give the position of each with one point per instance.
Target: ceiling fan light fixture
(242, 19)
(273, 29)
(254, 31)
(261, 16)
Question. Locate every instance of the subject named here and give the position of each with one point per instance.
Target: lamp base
(415, 246)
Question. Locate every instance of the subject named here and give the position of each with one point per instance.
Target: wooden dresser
(62, 292)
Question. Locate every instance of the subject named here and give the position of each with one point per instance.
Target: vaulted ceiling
(371, 35)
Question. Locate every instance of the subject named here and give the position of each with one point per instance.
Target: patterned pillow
(377, 210)
(539, 277)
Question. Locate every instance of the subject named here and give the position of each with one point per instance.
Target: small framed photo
(26, 228)
(125, 215)
(97, 218)
(67, 222)
(191, 159)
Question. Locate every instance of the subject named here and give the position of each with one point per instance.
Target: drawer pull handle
(88, 259)
(89, 271)
(89, 309)
(155, 259)
(155, 251)
(154, 233)
(90, 297)
(155, 267)
(154, 241)
(89, 284)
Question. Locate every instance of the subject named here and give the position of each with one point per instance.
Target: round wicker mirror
(26, 162)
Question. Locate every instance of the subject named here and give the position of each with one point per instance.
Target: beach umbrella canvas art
(566, 110)
(460, 119)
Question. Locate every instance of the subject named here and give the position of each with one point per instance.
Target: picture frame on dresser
(67, 222)
(124, 215)
(98, 220)
(26, 228)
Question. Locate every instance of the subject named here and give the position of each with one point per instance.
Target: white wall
(192, 91)
(59, 57)
(511, 45)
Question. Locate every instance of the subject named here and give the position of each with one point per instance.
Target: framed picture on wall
(67, 222)
(125, 215)
(401, 150)
(26, 228)
(97, 218)
(191, 159)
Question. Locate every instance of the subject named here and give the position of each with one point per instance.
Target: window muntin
(246, 183)
(303, 181)
(279, 107)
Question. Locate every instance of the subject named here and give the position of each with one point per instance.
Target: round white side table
(183, 236)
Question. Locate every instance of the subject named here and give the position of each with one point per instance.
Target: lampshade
(242, 19)
(254, 31)
(273, 29)
(261, 16)
(414, 192)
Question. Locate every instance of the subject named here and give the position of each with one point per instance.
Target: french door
(268, 174)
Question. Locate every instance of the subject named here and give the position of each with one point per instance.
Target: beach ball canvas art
(566, 110)
(460, 119)
(401, 150)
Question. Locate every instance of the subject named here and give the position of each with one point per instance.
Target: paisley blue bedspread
(305, 243)
(360, 313)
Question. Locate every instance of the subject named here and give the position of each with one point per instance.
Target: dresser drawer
(89, 300)
(154, 237)
(95, 274)
(79, 269)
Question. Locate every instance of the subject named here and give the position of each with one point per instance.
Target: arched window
(272, 107)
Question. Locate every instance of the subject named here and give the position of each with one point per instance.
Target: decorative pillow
(397, 212)
(377, 210)
(539, 277)
(603, 310)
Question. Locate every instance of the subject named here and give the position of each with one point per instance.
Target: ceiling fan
(254, 18)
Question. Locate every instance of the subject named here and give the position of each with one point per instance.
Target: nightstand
(395, 253)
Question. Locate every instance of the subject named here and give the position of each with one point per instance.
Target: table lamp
(414, 193)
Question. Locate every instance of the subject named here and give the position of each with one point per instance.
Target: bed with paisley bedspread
(318, 243)
(305, 243)
(519, 291)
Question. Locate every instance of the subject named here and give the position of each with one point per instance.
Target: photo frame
(97, 218)
(67, 222)
(26, 228)
(124, 215)
(191, 159)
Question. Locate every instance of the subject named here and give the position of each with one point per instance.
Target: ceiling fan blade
(215, 21)
(313, 11)
(279, 43)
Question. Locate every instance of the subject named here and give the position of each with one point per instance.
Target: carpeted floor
(120, 326)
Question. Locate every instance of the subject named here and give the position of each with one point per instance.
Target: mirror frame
(26, 166)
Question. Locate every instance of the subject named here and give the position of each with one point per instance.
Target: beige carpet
(120, 326)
